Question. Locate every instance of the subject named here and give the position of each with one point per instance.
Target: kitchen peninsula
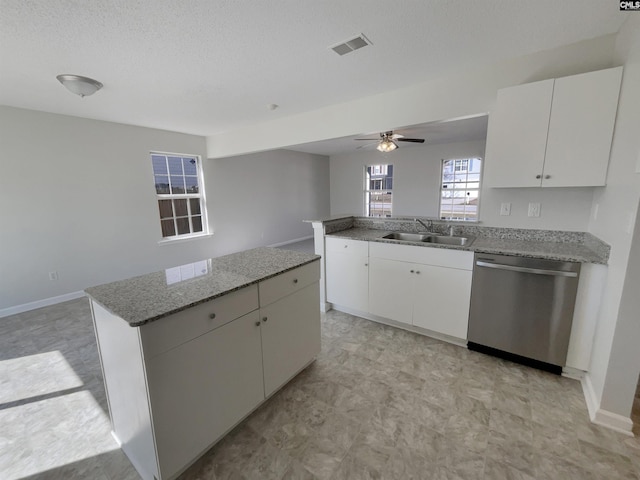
(187, 353)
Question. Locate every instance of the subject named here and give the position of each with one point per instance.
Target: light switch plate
(534, 209)
(505, 209)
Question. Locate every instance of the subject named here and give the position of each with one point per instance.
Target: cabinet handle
(547, 177)
(411, 271)
(346, 246)
(212, 316)
(366, 264)
(257, 324)
(295, 280)
(418, 272)
(538, 177)
(264, 319)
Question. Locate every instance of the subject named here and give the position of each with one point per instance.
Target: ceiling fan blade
(413, 140)
(396, 136)
(366, 145)
(370, 139)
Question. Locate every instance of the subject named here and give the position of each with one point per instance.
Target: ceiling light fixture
(386, 145)
(83, 86)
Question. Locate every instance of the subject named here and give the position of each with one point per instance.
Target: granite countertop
(552, 250)
(142, 299)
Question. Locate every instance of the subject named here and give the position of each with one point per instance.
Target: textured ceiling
(204, 66)
(464, 130)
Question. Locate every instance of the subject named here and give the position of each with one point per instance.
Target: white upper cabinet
(553, 133)
(517, 135)
(583, 114)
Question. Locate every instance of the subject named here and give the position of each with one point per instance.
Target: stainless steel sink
(409, 237)
(448, 240)
(429, 238)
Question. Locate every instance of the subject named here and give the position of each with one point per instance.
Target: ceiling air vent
(351, 45)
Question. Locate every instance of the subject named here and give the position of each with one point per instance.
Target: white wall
(466, 93)
(560, 208)
(416, 177)
(77, 197)
(616, 356)
(416, 189)
(263, 198)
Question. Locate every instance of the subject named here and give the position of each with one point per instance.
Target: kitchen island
(188, 352)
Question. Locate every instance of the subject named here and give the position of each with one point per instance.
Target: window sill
(182, 239)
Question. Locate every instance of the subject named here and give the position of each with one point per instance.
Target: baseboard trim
(295, 240)
(614, 421)
(45, 302)
(403, 326)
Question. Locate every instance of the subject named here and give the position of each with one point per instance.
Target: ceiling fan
(387, 141)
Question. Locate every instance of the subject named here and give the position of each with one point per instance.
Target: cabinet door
(391, 289)
(441, 300)
(348, 280)
(517, 136)
(201, 388)
(583, 114)
(290, 335)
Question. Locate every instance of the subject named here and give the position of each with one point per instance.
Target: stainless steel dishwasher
(522, 308)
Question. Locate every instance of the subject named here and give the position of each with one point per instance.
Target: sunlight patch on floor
(23, 377)
(42, 435)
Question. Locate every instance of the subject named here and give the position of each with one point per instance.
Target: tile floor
(378, 403)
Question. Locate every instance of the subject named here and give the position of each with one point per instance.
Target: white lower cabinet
(431, 297)
(201, 389)
(290, 336)
(441, 300)
(347, 273)
(391, 286)
(433, 294)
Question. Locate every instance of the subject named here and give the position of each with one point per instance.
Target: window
(180, 195)
(460, 189)
(378, 181)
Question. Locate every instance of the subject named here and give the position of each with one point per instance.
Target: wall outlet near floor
(53, 275)
(534, 209)
(505, 209)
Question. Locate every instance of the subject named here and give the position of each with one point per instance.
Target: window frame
(455, 172)
(201, 196)
(376, 169)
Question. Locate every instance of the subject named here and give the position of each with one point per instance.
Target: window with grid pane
(180, 198)
(460, 189)
(378, 180)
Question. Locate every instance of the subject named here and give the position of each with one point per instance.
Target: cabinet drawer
(344, 245)
(288, 282)
(169, 332)
(441, 257)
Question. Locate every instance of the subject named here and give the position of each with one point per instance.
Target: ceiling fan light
(386, 146)
(83, 86)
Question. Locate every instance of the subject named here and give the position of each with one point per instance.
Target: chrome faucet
(450, 229)
(428, 227)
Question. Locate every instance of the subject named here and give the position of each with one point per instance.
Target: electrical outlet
(534, 209)
(505, 209)
(53, 275)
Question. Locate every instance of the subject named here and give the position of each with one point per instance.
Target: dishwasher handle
(536, 271)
